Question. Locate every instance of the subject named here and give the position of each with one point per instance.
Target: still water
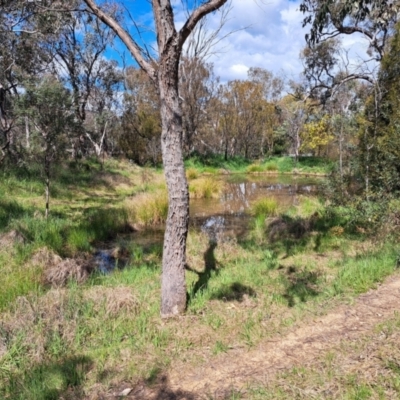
(229, 214)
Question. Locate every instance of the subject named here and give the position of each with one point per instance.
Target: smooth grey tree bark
(164, 72)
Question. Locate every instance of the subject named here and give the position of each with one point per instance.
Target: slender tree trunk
(341, 154)
(173, 285)
(47, 179)
(27, 133)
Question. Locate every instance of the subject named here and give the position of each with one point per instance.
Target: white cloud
(267, 34)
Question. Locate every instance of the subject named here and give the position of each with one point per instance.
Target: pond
(229, 214)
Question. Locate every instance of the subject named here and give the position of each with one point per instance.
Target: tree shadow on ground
(301, 285)
(158, 388)
(210, 268)
(234, 292)
(9, 210)
(294, 234)
(51, 381)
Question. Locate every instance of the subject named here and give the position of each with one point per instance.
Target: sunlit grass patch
(361, 273)
(271, 166)
(267, 207)
(42, 232)
(255, 168)
(205, 188)
(285, 164)
(148, 209)
(17, 279)
(306, 207)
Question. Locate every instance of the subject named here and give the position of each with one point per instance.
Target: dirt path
(237, 368)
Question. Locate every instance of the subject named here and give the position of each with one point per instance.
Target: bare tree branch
(196, 16)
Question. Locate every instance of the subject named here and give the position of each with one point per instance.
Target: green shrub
(271, 166)
(254, 168)
(285, 164)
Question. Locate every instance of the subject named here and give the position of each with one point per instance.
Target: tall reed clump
(205, 188)
(192, 173)
(266, 207)
(148, 209)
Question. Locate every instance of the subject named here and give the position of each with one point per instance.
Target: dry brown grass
(114, 300)
(58, 311)
(66, 270)
(45, 258)
(11, 238)
(57, 271)
(148, 209)
(205, 188)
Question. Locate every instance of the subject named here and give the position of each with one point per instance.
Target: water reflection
(213, 227)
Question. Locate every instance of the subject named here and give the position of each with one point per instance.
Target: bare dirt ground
(238, 368)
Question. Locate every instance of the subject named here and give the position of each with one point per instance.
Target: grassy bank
(83, 339)
(275, 165)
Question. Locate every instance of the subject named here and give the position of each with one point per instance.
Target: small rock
(125, 392)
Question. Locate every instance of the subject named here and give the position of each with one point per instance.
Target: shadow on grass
(51, 381)
(11, 210)
(157, 387)
(234, 292)
(210, 267)
(293, 234)
(301, 286)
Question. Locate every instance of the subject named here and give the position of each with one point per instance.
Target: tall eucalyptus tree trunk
(165, 74)
(173, 287)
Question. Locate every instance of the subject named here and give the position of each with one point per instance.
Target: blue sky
(266, 33)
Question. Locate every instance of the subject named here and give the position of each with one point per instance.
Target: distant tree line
(57, 51)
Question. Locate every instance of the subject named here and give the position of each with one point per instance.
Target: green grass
(255, 168)
(214, 164)
(93, 330)
(363, 272)
(267, 207)
(217, 164)
(84, 340)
